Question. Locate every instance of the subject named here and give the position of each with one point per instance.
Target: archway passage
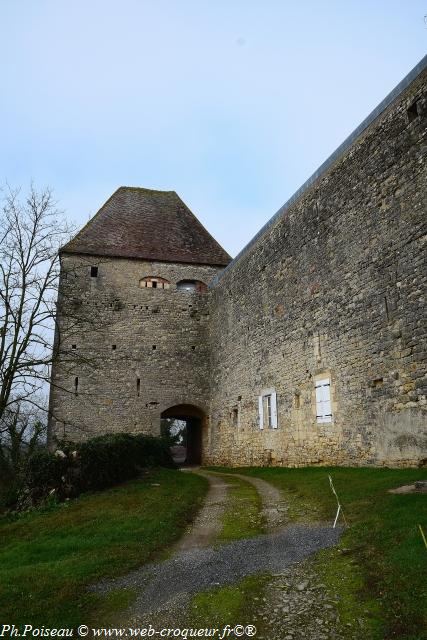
(183, 424)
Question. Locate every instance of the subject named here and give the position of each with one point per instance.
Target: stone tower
(132, 318)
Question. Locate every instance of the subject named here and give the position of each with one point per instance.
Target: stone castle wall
(334, 288)
(159, 336)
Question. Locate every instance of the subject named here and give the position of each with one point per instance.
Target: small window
(74, 346)
(113, 347)
(186, 285)
(154, 282)
(323, 401)
(267, 407)
(154, 347)
(196, 286)
(94, 272)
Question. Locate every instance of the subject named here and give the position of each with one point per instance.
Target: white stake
(336, 517)
(338, 503)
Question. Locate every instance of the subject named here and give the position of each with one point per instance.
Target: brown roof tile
(151, 225)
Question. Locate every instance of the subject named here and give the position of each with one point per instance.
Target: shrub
(95, 464)
(42, 473)
(109, 459)
(9, 494)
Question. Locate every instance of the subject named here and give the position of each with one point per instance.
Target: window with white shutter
(267, 408)
(323, 400)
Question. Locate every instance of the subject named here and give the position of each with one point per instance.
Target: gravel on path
(207, 524)
(189, 572)
(297, 605)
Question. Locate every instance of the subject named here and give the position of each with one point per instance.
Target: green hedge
(110, 459)
(92, 465)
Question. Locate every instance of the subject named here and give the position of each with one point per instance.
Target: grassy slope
(382, 572)
(47, 558)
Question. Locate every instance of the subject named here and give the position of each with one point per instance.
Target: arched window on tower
(154, 282)
(196, 286)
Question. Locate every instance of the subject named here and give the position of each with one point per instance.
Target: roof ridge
(144, 189)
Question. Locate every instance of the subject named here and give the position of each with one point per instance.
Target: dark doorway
(183, 425)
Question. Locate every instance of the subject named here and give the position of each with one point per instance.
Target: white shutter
(327, 412)
(274, 410)
(261, 412)
(323, 400)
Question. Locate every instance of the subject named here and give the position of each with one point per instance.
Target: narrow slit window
(76, 386)
(412, 112)
(235, 417)
(386, 308)
(94, 272)
(323, 401)
(138, 386)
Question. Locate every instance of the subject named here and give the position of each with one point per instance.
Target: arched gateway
(186, 421)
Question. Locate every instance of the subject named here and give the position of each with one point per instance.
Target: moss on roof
(144, 223)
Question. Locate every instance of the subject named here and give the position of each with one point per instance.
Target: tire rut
(207, 524)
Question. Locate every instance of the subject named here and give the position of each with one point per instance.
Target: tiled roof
(151, 225)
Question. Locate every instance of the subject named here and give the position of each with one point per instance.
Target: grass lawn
(380, 568)
(47, 558)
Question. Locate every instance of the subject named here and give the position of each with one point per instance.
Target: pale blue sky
(233, 104)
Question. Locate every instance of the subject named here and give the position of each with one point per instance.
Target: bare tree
(23, 429)
(32, 230)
